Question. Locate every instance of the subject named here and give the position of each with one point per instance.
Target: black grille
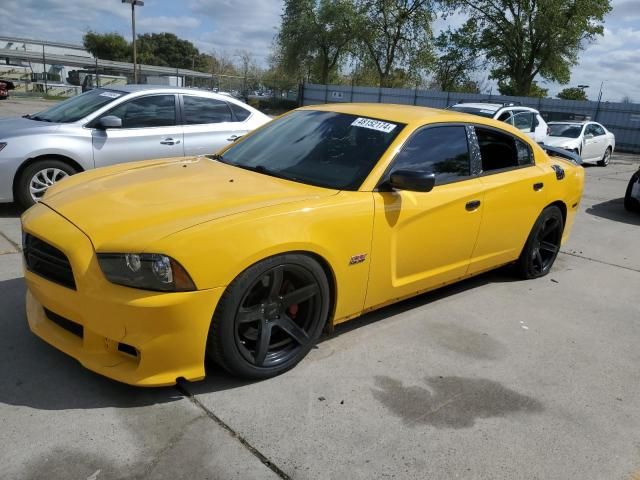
(67, 324)
(48, 262)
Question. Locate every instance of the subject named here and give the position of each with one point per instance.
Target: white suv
(525, 119)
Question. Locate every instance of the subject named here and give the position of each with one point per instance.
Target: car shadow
(10, 210)
(614, 210)
(36, 375)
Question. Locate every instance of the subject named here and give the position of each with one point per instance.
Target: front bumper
(164, 334)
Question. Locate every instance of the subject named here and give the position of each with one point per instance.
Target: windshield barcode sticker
(110, 94)
(373, 124)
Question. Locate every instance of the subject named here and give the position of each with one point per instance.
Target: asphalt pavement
(492, 378)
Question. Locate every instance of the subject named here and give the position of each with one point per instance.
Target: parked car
(632, 195)
(592, 141)
(527, 120)
(112, 125)
(5, 86)
(324, 213)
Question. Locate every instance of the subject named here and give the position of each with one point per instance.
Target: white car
(593, 142)
(525, 119)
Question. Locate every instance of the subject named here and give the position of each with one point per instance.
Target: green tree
(573, 93)
(107, 46)
(457, 59)
(527, 38)
(535, 90)
(166, 49)
(396, 36)
(314, 36)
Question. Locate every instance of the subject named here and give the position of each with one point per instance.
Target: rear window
(483, 112)
(501, 151)
(241, 113)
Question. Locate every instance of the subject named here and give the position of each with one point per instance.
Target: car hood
(562, 141)
(125, 208)
(14, 126)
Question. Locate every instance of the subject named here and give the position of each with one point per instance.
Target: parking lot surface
(492, 378)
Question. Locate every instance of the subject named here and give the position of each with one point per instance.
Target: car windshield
(483, 112)
(75, 108)
(327, 149)
(570, 130)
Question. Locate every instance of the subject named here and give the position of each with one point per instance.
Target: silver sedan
(113, 125)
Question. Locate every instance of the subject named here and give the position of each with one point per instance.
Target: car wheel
(630, 203)
(269, 317)
(543, 244)
(606, 158)
(36, 179)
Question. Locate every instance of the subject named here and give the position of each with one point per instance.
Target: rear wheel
(543, 244)
(606, 158)
(36, 179)
(270, 316)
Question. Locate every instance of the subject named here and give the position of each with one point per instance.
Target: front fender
(334, 228)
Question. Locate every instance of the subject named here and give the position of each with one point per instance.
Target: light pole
(134, 4)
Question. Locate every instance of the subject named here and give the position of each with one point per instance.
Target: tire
(631, 204)
(606, 158)
(44, 172)
(542, 246)
(256, 332)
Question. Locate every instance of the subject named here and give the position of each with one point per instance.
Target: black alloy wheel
(270, 316)
(543, 244)
(632, 204)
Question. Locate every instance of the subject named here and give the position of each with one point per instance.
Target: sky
(232, 25)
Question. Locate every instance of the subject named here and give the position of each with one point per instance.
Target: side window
(440, 150)
(597, 130)
(202, 110)
(500, 150)
(524, 121)
(506, 117)
(241, 113)
(149, 111)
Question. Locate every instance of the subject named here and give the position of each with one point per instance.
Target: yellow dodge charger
(143, 270)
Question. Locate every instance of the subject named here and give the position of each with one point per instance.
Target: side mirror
(412, 181)
(110, 121)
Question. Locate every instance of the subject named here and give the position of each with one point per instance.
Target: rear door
(209, 124)
(424, 239)
(514, 195)
(149, 130)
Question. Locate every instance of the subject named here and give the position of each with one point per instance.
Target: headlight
(147, 271)
(2, 145)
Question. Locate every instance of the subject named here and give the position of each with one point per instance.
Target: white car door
(209, 124)
(525, 121)
(149, 130)
(595, 142)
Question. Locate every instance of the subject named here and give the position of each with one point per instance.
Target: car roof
(483, 106)
(407, 114)
(572, 122)
(131, 88)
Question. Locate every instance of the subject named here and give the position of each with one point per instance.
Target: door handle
(538, 186)
(472, 205)
(169, 141)
(233, 138)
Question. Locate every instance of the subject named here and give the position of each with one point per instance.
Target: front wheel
(631, 203)
(270, 317)
(606, 158)
(36, 179)
(543, 244)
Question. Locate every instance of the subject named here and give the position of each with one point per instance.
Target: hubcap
(43, 179)
(278, 315)
(607, 156)
(546, 245)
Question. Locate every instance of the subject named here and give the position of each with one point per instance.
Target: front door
(424, 239)
(149, 130)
